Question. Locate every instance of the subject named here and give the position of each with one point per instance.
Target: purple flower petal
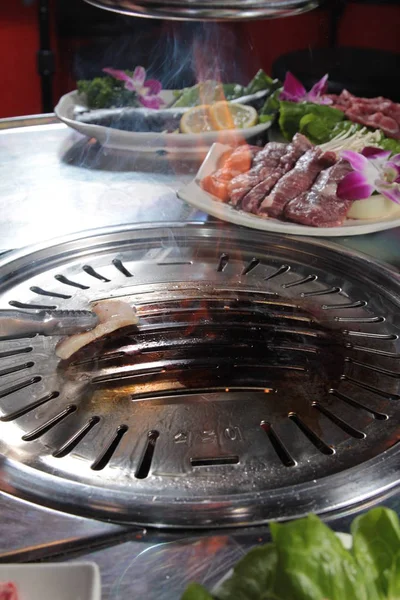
(324, 100)
(396, 159)
(319, 88)
(375, 153)
(390, 191)
(130, 85)
(392, 171)
(153, 86)
(357, 161)
(293, 90)
(139, 76)
(151, 101)
(117, 74)
(354, 187)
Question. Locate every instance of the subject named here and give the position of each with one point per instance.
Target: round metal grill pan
(262, 381)
(208, 10)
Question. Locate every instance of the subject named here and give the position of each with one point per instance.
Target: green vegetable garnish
(271, 107)
(376, 546)
(261, 81)
(390, 144)
(106, 92)
(209, 92)
(315, 121)
(307, 561)
(195, 591)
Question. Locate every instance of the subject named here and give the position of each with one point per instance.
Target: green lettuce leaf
(390, 144)
(313, 564)
(320, 120)
(195, 591)
(376, 547)
(253, 577)
(209, 92)
(307, 561)
(206, 92)
(233, 90)
(394, 579)
(271, 107)
(261, 81)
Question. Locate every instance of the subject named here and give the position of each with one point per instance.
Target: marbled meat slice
(240, 185)
(265, 162)
(376, 120)
(252, 200)
(377, 113)
(296, 181)
(320, 206)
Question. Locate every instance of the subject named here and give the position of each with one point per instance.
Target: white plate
(345, 538)
(194, 195)
(61, 581)
(69, 104)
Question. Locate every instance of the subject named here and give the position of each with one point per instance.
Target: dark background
(81, 40)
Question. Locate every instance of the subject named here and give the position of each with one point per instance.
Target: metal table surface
(54, 182)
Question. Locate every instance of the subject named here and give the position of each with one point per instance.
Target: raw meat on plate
(296, 181)
(320, 206)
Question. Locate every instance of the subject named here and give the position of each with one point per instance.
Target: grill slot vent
(308, 279)
(251, 266)
(223, 261)
(144, 467)
(281, 271)
(16, 352)
(339, 422)
(118, 264)
(66, 281)
(29, 407)
(377, 415)
(311, 435)
(90, 271)
(357, 304)
(17, 304)
(39, 431)
(374, 368)
(19, 386)
(76, 438)
(371, 388)
(278, 445)
(16, 369)
(329, 291)
(41, 292)
(102, 461)
(216, 461)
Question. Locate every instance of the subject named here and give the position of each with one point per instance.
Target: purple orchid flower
(147, 91)
(294, 91)
(372, 171)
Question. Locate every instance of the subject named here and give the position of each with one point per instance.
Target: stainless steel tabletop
(54, 182)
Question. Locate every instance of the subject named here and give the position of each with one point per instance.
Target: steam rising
(178, 54)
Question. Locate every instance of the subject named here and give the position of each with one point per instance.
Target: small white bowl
(54, 581)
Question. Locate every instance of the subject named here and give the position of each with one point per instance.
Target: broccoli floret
(106, 92)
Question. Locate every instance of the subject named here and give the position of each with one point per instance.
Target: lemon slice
(197, 120)
(227, 115)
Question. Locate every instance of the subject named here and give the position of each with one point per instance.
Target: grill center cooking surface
(261, 382)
